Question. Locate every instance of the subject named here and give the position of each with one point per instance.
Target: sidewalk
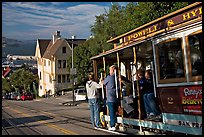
(60, 100)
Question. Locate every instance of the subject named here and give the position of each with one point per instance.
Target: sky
(40, 20)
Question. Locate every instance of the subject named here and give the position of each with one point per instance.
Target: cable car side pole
(116, 84)
(138, 89)
(103, 94)
(116, 81)
(133, 86)
(104, 65)
(121, 126)
(102, 86)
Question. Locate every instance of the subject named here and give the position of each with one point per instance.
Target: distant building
(52, 58)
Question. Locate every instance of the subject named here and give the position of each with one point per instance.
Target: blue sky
(40, 20)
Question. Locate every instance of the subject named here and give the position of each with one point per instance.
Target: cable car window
(195, 42)
(170, 59)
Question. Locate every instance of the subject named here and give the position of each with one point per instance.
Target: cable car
(170, 47)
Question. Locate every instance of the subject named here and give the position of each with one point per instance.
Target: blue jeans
(94, 108)
(112, 107)
(150, 104)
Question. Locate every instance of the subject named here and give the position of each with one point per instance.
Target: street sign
(73, 71)
(75, 80)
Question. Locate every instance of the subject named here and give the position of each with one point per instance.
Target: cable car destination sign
(181, 18)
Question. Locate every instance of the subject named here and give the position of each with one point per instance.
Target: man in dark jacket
(111, 89)
(151, 108)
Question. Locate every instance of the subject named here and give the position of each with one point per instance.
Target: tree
(22, 79)
(116, 21)
(6, 86)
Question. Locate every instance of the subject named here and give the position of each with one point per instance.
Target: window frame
(59, 64)
(44, 62)
(40, 75)
(64, 50)
(63, 78)
(191, 77)
(59, 79)
(50, 78)
(170, 80)
(48, 62)
(68, 77)
(64, 63)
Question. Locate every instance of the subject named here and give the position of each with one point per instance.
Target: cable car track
(15, 126)
(4, 131)
(68, 118)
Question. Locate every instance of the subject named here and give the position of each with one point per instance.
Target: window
(170, 59)
(63, 78)
(195, 44)
(59, 63)
(48, 63)
(44, 62)
(64, 63)
(40, 76)
(40, 87)
(59, 79)
(68, 79)
(50, 78)
(63, 49)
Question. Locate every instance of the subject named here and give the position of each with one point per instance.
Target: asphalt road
(52, 116)
(47, 117)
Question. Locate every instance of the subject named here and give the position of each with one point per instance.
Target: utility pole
(73, 37)
(72, 70)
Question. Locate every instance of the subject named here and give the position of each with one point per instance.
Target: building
(52, 58)
(6, 72)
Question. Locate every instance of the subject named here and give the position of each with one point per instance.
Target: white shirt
(91, 88)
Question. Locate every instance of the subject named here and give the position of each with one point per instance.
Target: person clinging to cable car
(141, 82)
(141, 79)
(112, 101)
(152, 111)
(93, 99)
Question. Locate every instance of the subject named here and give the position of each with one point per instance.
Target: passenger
(152, 111)
(93, 99)
(126, 86)
(112, 100)
(141, 81)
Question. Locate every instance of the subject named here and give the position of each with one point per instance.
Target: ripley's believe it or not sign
(181, 18)
(191, 99)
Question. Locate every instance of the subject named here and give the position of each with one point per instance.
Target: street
(47, 117)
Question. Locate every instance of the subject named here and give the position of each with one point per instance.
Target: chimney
(56, 36)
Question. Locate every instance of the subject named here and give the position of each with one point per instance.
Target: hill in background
(18, 47)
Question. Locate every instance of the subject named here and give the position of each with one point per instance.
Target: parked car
(80, 94)
(5, 96)
(18, 97)
(9, 96)
(79, 91)
(27, 96)
(12, 96)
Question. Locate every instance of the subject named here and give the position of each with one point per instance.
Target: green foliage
(116, 21)
(6, 86)
(22, 79)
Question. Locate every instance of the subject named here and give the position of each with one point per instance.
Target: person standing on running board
(93, 99)
(112, 101)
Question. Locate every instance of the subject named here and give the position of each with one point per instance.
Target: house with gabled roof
(52, 58)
